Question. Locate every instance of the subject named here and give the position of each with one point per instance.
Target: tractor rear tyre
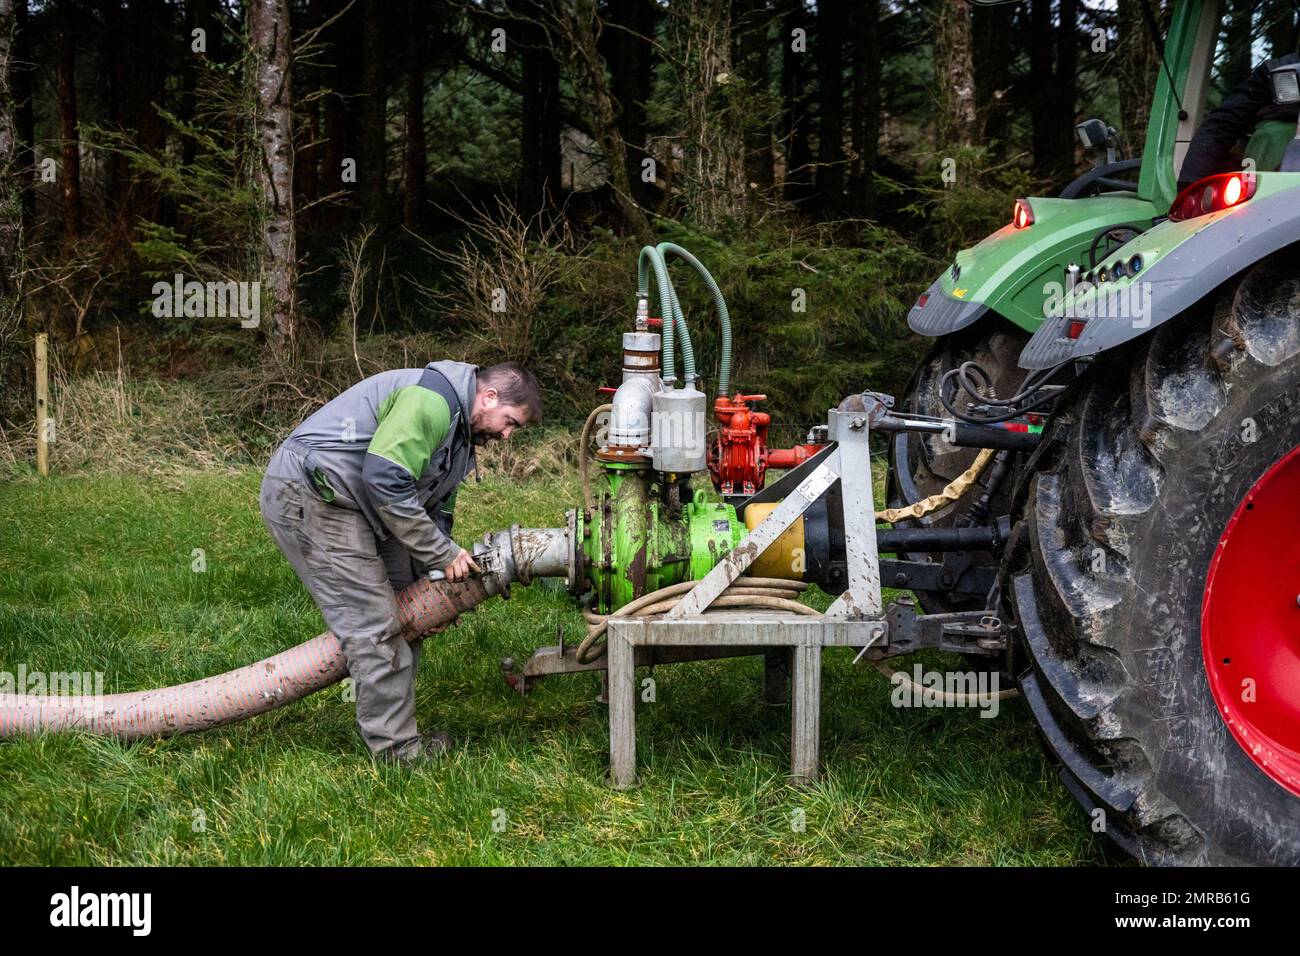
(1152, 582)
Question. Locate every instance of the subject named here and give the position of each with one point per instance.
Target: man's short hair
(515, 385)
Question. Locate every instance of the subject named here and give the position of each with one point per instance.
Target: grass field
(96, 575)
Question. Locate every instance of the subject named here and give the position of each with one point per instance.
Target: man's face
(490, 419)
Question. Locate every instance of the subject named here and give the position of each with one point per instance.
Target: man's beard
(480, 438)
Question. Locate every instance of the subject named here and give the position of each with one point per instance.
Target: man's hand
(461, 566)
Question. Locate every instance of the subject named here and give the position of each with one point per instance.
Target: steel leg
(622, 710)
(805, 714)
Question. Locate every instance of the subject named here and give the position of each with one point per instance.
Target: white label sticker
(815, 485)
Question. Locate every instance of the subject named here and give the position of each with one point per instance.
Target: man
(1249, 104)
(360, 499)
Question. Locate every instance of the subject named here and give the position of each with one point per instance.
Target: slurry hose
(674, 320)
(228, 698)
(724, 317)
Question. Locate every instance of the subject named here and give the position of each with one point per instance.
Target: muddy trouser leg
(402, 570)
(335, 555)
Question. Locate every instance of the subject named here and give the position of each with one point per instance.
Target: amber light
(1022, 214)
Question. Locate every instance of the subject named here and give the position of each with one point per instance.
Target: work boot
(434, 745)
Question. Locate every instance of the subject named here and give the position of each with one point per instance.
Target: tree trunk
(1066, 85)
(954, 73)
(373, 115)
(340, 141)
(151, 40)
(631, 64)
(539, 179)
(116, 88)
(268, 30)
(795, 125)
(414, 155)
(991, 58)
(714, 168)
(69, 144)
(1042, 109)
(750, 22)
(581, 26)
(1280, 16)
(11, 199)
(830, 84)
(1137, 68)
(1238, 17)
(20, 87)
(865, 121)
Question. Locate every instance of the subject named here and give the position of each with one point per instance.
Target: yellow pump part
(785, 557)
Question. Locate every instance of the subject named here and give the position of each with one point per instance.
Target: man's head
(508, 397)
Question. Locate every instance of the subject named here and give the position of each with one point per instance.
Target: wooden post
(42, 405)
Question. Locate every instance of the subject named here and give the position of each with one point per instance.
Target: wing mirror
(1099, 139)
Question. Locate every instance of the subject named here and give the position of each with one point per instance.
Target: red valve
(739, 457)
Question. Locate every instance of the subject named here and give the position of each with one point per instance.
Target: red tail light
(1022, 214)
(1076, 328)
(1213, 194)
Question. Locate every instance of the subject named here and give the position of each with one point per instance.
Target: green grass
(95, 575)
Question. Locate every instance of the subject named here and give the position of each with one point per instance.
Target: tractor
(1150, 579)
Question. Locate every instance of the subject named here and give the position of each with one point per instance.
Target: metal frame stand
(854, 619)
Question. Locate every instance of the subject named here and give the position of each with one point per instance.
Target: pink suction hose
(236, 695)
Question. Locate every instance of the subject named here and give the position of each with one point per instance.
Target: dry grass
(504, 270)
(111, 420)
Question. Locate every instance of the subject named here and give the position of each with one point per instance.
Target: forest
(380, 167)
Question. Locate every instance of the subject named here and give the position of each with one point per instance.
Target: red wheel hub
(1250, 623)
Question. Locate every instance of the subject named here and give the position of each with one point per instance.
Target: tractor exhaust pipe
(423, 607)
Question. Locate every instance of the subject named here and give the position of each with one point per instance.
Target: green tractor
(1150, 580)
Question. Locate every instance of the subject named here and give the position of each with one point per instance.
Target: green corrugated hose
(724, 317)
(674, 321)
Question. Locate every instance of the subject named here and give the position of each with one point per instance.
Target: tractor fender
(1222, 245)
(941, 313)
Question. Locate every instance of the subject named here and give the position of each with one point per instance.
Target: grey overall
(349, 561)
(352, 578)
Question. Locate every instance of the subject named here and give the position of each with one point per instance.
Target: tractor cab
(1062, 261)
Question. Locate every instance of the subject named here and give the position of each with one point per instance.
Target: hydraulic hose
(584, 467)
(423, 608)
(724, 317)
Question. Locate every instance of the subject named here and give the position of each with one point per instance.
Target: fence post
(42, 405)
